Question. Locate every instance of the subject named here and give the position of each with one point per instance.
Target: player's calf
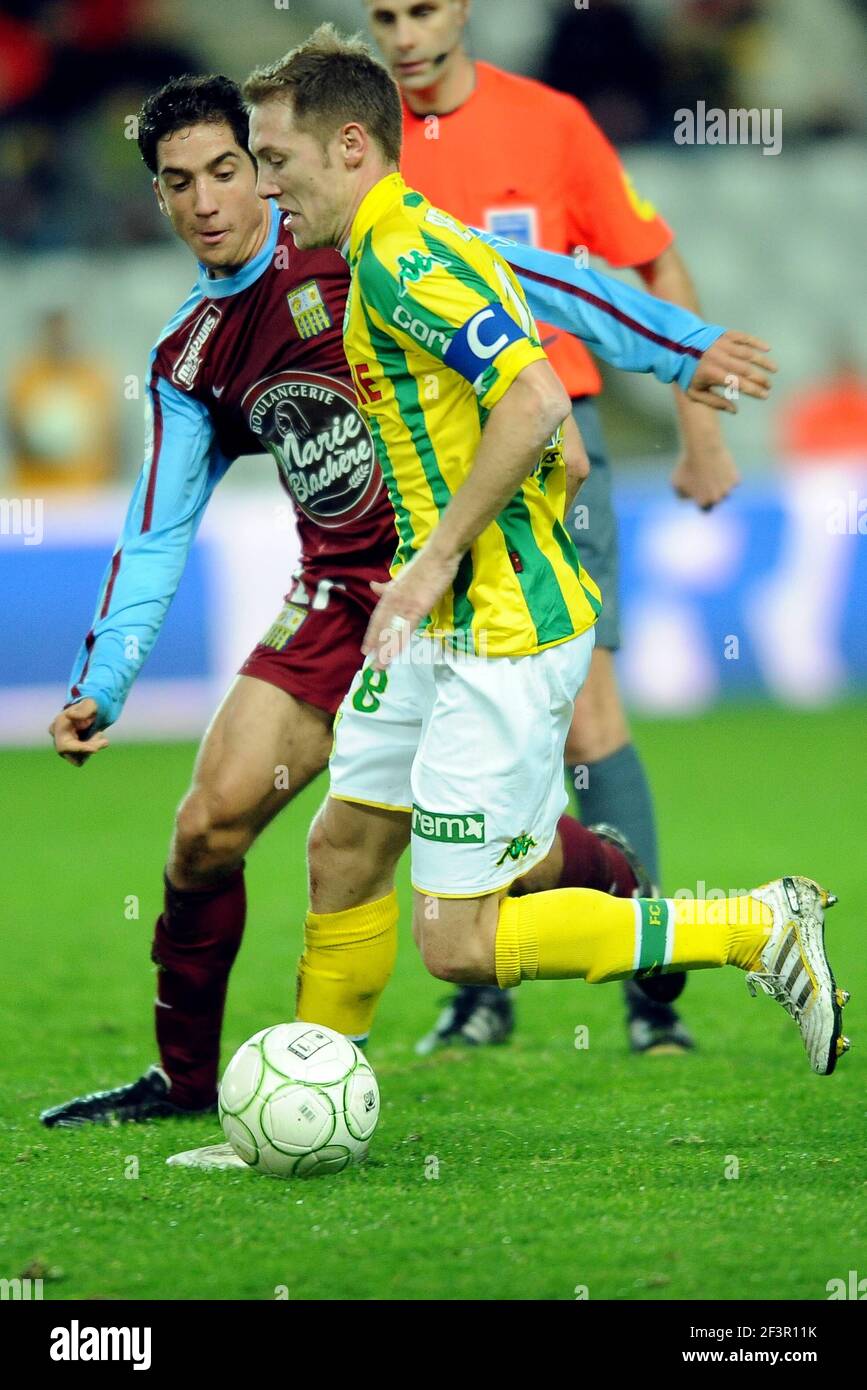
(350, 932)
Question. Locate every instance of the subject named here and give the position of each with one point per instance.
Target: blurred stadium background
(89, 274)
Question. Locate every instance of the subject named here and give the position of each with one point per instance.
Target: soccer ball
(299, 1100)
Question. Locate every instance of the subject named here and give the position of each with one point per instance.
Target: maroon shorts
(313, 647)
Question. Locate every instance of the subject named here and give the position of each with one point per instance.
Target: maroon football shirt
(262, 350)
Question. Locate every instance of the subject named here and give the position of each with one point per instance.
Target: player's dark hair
(330, 81)
(187, 101)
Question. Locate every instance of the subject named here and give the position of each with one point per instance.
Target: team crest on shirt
(285, 626)
(320, 441)
(308, 309)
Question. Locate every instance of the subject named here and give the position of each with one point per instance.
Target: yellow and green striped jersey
(436, 330)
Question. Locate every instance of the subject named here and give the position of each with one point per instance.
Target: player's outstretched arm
(735, 365)
(640, 332)
(181, 469)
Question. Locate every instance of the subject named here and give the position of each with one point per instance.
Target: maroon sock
(195, 943)
(589, 862)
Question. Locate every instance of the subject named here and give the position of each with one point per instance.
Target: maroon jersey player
(252, 362)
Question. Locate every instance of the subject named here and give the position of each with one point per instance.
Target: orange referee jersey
(529, 163)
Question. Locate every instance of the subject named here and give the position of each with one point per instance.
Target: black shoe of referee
(475, 1016)
(145, 1099)
(652, 1025)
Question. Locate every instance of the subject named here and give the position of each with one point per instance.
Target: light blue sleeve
(626, 326)
(182, 467)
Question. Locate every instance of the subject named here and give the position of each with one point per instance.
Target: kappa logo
(448, 829)
(518, 848)
(414, 267)
(187, 366)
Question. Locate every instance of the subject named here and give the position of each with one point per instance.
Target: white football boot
(795, 969)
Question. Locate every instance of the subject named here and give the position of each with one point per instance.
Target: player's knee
(455, 962)
(322, 846)
(334, 856)
(207, 824)
(447, 968)
(599, 724)
(596, 732)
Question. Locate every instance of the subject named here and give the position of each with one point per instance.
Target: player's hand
(735, 365)
(71, 732)
(403, 602)
(705, 475)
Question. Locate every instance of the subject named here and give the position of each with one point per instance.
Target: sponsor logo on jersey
(319, 439)
(515, 224)
(448, 829)
(414, 267)
(308, 309)
(438, 218)
(187, 366)
(416, 328)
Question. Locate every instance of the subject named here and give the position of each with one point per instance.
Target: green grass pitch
(558, 1169)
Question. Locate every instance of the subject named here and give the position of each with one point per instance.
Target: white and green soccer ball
(299, 1100)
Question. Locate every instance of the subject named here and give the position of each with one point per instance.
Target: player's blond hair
(332, 80)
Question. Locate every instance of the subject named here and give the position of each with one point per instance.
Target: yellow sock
(573, 933)
(348, 958)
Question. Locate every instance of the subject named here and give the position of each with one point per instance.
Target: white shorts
(472, 747)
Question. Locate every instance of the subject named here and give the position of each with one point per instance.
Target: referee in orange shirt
(515, 157)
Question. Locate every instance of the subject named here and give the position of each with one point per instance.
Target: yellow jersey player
(451, 735)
